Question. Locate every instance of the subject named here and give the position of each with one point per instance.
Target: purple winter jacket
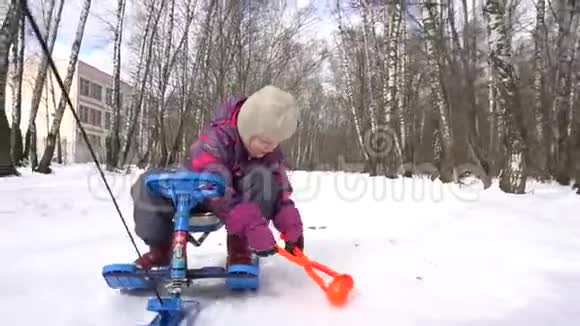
(219, 149)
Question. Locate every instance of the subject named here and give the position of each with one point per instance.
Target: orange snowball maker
(337, 291)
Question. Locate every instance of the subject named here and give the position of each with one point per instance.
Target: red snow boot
(238, 251)
(158, 256)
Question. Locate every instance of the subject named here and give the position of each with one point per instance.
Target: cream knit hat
(271, 112)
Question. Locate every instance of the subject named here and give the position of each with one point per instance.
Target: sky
(97, 45)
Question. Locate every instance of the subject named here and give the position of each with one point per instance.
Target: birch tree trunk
(53, 111)
(433, 44)
(539, 99)
(387, 95)
(51, 32)
(473, 60)
(140, 83)
(574, 118)
(567, 23)
(493, 148)
(572, 164)
(393, 159)
(513, 177)
(44, 164)
(16, 150)
(467, 58)
(405, 111)
(349, 85)
(166, 60)
(201, 63)
(141, 80)
(168, 67)
(573, 143)
(113, 140)
(8, 30)
(366, 28)
(186, 92)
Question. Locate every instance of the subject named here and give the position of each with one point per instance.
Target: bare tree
(439, 93)
(494, 140)
(185, 89)
(44, 164)
(513, 177)
(539, 90)
(366, 29)
(567, 21)
(143, 72)
(113, 140)
(8, 30)
(50, 37)
(394, 159)
(574, 119)
(404, 111)
(167, 60)
(142, 89)
(349, 84)
(16, 146)
(433, 44)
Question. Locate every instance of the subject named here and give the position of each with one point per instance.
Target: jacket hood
(227, 110)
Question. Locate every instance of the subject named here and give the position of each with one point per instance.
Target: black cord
(26, 11)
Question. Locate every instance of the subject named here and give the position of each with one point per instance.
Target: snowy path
(472, 258)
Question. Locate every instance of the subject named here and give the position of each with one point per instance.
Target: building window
(85, 87)
(99, 119)
(96, 91)
(84, 113)
(92, 90)
(107, 120)
(95, 118)
(109, 96)
(91, 116)
(95, 140)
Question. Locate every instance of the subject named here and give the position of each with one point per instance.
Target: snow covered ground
(421, 253)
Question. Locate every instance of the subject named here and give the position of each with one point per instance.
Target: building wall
(46, 107)
(95, 110)
(91, 109)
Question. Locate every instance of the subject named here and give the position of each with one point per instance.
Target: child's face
(260, 146)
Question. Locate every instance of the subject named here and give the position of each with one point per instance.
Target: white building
(91, 94)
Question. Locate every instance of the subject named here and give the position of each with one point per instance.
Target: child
(241, 144)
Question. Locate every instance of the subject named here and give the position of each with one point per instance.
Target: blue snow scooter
(186, 190)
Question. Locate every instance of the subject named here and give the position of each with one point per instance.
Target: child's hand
(246, 219)
(290, 245)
